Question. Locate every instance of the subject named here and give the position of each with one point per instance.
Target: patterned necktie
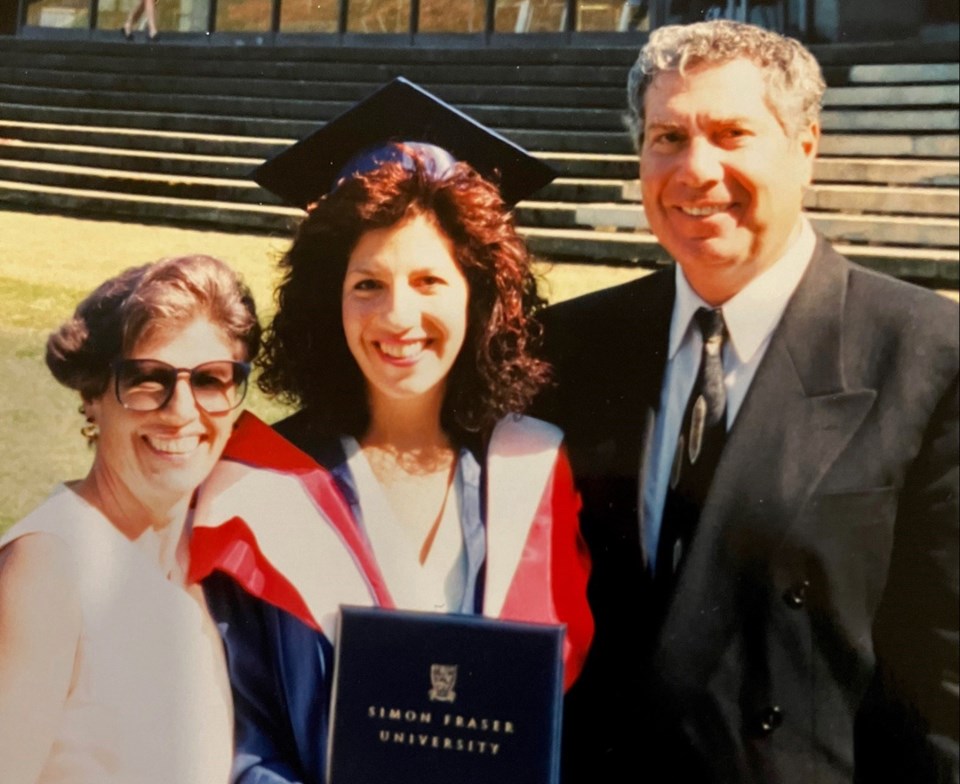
(702, 436)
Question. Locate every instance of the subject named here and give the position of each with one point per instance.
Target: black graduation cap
(400, 111)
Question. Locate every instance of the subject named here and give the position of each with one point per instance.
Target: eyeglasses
(148, 384)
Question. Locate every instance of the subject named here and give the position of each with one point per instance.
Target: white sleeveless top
(151, 701)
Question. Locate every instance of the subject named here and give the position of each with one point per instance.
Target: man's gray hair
(794, 81)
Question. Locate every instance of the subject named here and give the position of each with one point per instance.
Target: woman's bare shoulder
(38, 581)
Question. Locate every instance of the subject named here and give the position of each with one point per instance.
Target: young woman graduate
(408, 479)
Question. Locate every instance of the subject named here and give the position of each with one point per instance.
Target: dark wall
(8, 17)
(878, 20)
(942, 11)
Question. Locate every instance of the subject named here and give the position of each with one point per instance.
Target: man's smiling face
(722, 179)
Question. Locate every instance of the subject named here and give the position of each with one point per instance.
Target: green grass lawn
(49, 263)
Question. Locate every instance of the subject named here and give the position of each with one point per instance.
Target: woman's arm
(40, 623)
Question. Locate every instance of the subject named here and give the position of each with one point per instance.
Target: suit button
(796, 595)
(769, 719)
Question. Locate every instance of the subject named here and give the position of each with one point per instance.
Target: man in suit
(770, 486)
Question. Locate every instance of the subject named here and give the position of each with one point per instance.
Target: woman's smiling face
(160, 457)
(405, 309)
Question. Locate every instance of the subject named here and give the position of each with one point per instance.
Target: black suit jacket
(812, 635)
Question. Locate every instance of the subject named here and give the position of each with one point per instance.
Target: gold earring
(90, 431)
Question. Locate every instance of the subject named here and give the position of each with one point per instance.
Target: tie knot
(710, 322)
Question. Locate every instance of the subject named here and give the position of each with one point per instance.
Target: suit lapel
(798, 414)
(795, 421)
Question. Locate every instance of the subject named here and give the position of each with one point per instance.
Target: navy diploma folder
(427, 698)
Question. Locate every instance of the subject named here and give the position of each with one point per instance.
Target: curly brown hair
(306, 360)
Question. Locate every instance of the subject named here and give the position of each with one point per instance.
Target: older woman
(111, 670)
(405, 332)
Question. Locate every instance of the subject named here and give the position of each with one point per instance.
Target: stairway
(169, 133)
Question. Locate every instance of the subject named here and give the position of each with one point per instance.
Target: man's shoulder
(624, 306)
(897, 327)
(898, 305)
(634, 292)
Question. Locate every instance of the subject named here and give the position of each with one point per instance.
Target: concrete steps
(932, 267)
(170, 134)
(881, 199)
(862, 198)
(105, 146)
(917, 231)
(204, 213)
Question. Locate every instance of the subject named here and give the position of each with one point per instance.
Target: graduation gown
(279, 545)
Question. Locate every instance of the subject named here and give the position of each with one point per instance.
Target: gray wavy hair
(794, 81)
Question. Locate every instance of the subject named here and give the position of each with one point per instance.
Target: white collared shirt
(751, 316)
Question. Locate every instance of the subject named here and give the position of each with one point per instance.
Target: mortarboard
(400, 111)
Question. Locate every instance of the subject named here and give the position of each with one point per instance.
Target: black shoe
(153, 38)
(128, 34)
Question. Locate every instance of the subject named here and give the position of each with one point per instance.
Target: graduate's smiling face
(404, 306)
